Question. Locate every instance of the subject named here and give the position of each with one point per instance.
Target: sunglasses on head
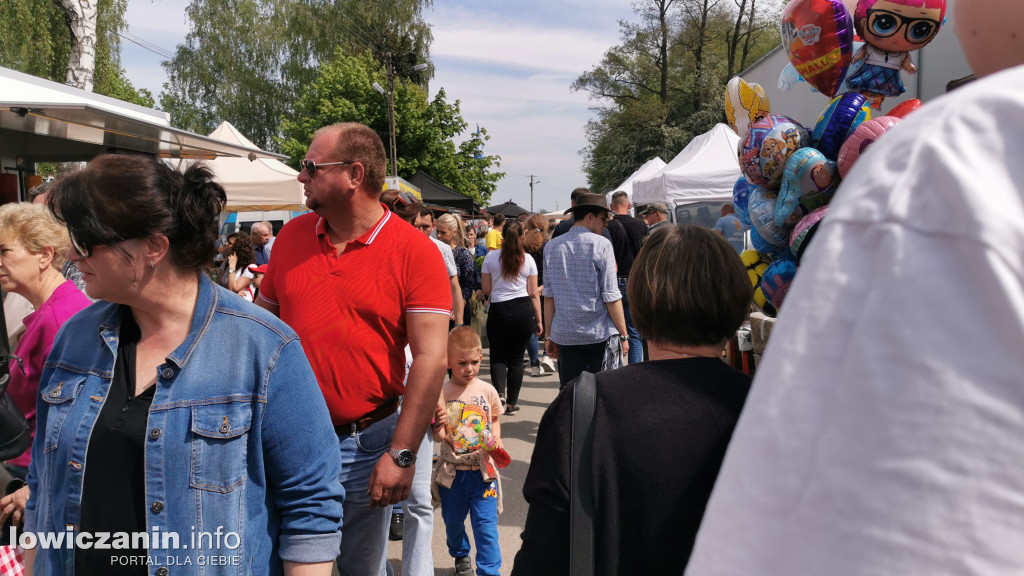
(311, 167)
(406, 198)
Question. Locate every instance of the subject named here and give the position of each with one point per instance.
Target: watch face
(404, 458)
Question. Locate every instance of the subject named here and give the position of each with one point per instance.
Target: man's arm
(619, 318)
(458, 303)
(274, 309)
(428, 340)
(318, 569)
(549, 313)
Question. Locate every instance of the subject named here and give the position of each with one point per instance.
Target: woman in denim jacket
(174, 409)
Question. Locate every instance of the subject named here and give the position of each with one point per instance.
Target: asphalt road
(518, 433)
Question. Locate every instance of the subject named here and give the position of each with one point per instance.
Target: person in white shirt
(883, 431)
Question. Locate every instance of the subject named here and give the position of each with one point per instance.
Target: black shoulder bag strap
(581, 489)
(15, 435)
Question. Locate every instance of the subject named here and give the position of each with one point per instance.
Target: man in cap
(656, 216)
(583, 318)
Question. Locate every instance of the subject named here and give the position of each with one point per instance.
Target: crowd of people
(163, 401)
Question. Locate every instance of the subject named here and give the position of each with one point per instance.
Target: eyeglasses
(883, 23)
(310, 167)
(406, 198)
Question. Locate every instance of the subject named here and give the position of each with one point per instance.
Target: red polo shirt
(350, 310)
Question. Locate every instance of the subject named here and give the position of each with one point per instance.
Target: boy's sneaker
(463, 566)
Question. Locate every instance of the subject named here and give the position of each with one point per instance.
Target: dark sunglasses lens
(310, 167)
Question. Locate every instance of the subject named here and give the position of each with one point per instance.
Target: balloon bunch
(790, 174)
(818, 36)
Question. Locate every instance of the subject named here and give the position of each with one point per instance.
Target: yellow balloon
(745, 104)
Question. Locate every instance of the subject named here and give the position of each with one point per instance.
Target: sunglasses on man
(311, 167)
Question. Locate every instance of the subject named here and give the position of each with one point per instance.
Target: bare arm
(496, 431)
(549, 313)
(485, 284)
(390, 484)
(534, 291)
(458, 303)
(274, 309)
(619, 318)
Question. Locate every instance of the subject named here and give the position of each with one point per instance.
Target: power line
(146, 45)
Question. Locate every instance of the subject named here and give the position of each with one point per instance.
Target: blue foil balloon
(777, 279)
(809, 182)
(761, 208)
(740, 196)
(838, 121)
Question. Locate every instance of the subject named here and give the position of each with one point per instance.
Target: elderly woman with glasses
(32, 248)
(175, 408)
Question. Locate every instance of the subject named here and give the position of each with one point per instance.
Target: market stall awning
(43, 121)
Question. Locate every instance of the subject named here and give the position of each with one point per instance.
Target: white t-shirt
(239, 273)
(883, 432)
(502, 289)
(447, 256)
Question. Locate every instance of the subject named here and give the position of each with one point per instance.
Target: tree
(664, 83)
(38, 40)
(425, 131)
(249, 61)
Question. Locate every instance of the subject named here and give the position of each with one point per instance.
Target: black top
(660, 433)
(114, 491)
(627, 237)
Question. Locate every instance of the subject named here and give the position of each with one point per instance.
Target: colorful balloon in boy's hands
(891, 29)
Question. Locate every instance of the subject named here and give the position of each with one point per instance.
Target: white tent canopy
(650, 168)
(704, 171)
(263, 184)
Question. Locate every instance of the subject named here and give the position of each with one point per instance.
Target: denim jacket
(240, 441)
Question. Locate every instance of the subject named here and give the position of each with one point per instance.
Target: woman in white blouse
(509, 279)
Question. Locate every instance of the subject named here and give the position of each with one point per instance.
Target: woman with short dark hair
(660, 428)
(175, 407)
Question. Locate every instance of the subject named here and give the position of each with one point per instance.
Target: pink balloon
(862, 137)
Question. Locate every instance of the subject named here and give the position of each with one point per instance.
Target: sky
(509, 62)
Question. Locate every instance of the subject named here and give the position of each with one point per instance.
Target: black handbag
(15, 435)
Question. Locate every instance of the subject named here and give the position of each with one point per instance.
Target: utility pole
(391, 115)
(532, 182)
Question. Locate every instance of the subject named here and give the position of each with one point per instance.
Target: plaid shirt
(579, 274)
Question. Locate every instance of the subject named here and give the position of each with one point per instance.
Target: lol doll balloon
(891, 29)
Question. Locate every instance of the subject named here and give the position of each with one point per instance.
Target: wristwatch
(403, 457)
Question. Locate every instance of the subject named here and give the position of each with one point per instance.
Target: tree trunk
(663, 47)
(733, 40)
(81, 19)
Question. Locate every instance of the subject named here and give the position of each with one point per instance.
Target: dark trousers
(509, 325)
(573, 360)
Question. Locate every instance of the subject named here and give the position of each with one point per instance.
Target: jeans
(418, 532)
(533, 349)
(509, 325)
(573, 360)
(470, 494)
(364, 530)
(636, 347)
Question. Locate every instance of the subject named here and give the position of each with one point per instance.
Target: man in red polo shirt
(357, 284)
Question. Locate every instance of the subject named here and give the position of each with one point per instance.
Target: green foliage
(425, 131)
(249, 61)
(665, 83)
(37, 40)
